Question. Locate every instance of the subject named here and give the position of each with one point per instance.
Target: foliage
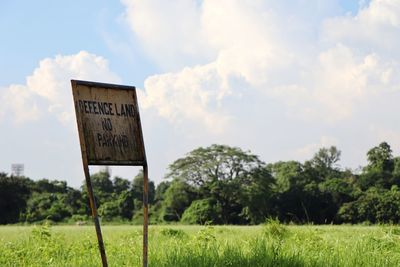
(200, 212)
(14, 192)
(178, 197)
(170, 232)
(274, 229)
(226, 175)
(217, 162)
(220, 184)
(375, 206)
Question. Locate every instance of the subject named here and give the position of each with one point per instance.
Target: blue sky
(279, 78)
(33, 30)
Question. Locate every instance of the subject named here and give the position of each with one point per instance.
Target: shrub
(200, 212)
(169, 232)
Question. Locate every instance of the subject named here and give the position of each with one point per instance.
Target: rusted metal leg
(95, 217)
(145, 213)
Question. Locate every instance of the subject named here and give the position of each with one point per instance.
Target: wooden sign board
(110, 133)
(109, 125)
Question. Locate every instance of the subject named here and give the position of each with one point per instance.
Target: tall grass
(271, 244)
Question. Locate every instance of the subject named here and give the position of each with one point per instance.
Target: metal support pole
(94, 215)
(145, 213)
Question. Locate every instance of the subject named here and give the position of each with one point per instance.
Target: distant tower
(107, 169)
(17, 169)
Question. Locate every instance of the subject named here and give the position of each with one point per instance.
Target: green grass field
(269, 245)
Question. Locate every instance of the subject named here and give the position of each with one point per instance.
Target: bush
(200, 212)
(375, 206)
(274, 229)
(169, 232)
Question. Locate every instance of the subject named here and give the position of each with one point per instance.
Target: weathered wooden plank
(109, 123)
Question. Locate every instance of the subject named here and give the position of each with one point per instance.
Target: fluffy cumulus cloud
(18, 100)
(194, 93)
(170, 28)
(48, 88)
(375, 27)
(318, 61)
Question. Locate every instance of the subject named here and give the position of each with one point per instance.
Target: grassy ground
(269, 245)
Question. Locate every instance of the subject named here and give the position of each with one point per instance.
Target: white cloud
(48, 88)
(195, 93)
(170, 28)
(319, 64)
(336, 85)
(19, 100)
(192, 94)
(272, 76)
(375, 27)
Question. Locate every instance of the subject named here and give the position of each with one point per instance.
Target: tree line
(222, 185)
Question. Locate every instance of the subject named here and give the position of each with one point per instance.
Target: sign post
(110, 133)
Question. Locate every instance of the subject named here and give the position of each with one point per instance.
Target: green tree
(178, 197)
(120, 185)
(257, 196)
(225, 175)
(14, 193)
(50, 206)
(304, 192)
(53, 200)
(102, 189)
(162, 187)
(137, 188)
(102, 183)
(217, 162)
(380, 157)
(292, 188)
(376, 205)
(325, 162)
(380, 168)
(202, 211)
(126, 205)
(110, 210)
(287, 174)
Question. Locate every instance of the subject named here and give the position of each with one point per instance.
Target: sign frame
(85, 145)
(87, 157)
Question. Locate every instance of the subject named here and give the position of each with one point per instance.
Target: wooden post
(94, 214)
(104, 111)
(145, 213)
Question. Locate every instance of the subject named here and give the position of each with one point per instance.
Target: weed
(169, 232)
(274, 229)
